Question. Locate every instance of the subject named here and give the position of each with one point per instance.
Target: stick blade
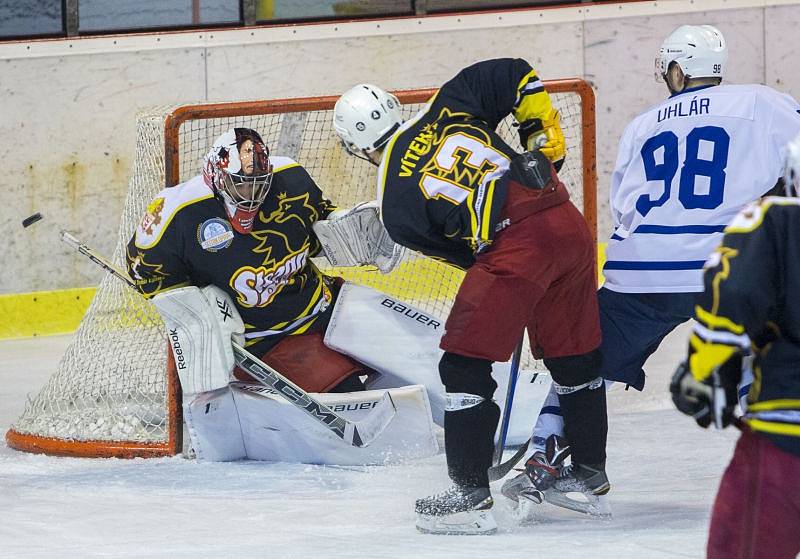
(501, 470)
(371, 427)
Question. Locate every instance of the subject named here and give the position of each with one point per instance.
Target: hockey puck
(28, 221)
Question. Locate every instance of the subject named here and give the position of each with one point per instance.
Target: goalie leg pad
(275, 430)
(200, 336)
(365, 322)
(212, 421)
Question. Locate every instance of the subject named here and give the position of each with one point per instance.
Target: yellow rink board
(43, 313)
(46, 313)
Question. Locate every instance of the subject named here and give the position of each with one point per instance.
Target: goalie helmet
(791, 169)
(238, 171)
(365, 118)
(699, 50)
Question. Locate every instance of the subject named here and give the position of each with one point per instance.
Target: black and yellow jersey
(185, 238)
(752, 299)
(440, 180)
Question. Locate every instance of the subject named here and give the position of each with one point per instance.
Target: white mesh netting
(111, 384)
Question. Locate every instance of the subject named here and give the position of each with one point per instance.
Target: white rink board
(664, 472)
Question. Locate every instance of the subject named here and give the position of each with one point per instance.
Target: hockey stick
(356, 433)
(500, 470)
(513, 374)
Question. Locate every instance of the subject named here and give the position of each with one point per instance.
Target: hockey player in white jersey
(684, 169)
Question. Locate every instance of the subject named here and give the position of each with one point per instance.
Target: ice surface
(663, 469)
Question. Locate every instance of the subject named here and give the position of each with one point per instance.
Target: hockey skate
(541, 471)
(458, 510)
(581, 488)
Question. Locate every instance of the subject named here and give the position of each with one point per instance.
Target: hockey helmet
(699, 50)
(365, 118)
(238, 171)
(791, 169)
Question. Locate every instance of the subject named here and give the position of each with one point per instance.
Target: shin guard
(469, 443)
(470, 418)
(586, 424)
(582, 397)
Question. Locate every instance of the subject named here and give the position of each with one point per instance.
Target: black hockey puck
(28, 221)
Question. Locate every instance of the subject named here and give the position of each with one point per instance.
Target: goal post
(115, 392)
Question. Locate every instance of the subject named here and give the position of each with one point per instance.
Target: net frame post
(52, 446)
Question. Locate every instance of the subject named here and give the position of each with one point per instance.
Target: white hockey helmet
(365, 118)
(791, 169)
(237, 169)
(699, 50)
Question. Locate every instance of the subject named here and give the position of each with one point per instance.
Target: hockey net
(115, 392)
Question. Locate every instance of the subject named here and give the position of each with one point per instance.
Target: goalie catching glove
(357, 237)
(546, 135)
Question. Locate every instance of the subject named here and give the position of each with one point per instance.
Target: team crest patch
(214, 234)
(152, 216)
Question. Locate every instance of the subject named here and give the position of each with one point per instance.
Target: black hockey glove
(531, 169)
(707, 402)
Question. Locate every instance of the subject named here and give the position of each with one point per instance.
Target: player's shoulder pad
(281, 163)
(755, 213)
(757, 88)
(165, 206)
(763, 93)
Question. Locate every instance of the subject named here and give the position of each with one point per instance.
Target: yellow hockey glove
(546, 135)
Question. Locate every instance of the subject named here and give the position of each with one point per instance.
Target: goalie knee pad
(462, 374)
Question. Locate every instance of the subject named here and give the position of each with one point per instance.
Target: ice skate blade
(469, 523)
(593, 505)
(527, 512)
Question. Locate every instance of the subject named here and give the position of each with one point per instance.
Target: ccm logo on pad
(411, 313)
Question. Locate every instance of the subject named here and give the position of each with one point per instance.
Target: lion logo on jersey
(152, 216)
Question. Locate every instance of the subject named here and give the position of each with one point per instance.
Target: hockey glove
(546, 135)
(531, 169)
(709, 401)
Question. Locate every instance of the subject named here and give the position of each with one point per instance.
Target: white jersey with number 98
(684, 169)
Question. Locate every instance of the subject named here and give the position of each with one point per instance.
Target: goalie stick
(356, 433)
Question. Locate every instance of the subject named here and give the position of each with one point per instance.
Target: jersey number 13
(693, 166)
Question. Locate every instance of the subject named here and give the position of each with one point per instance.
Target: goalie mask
(699, 50)
(238, 170)
(365, 118)
(791, 169)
